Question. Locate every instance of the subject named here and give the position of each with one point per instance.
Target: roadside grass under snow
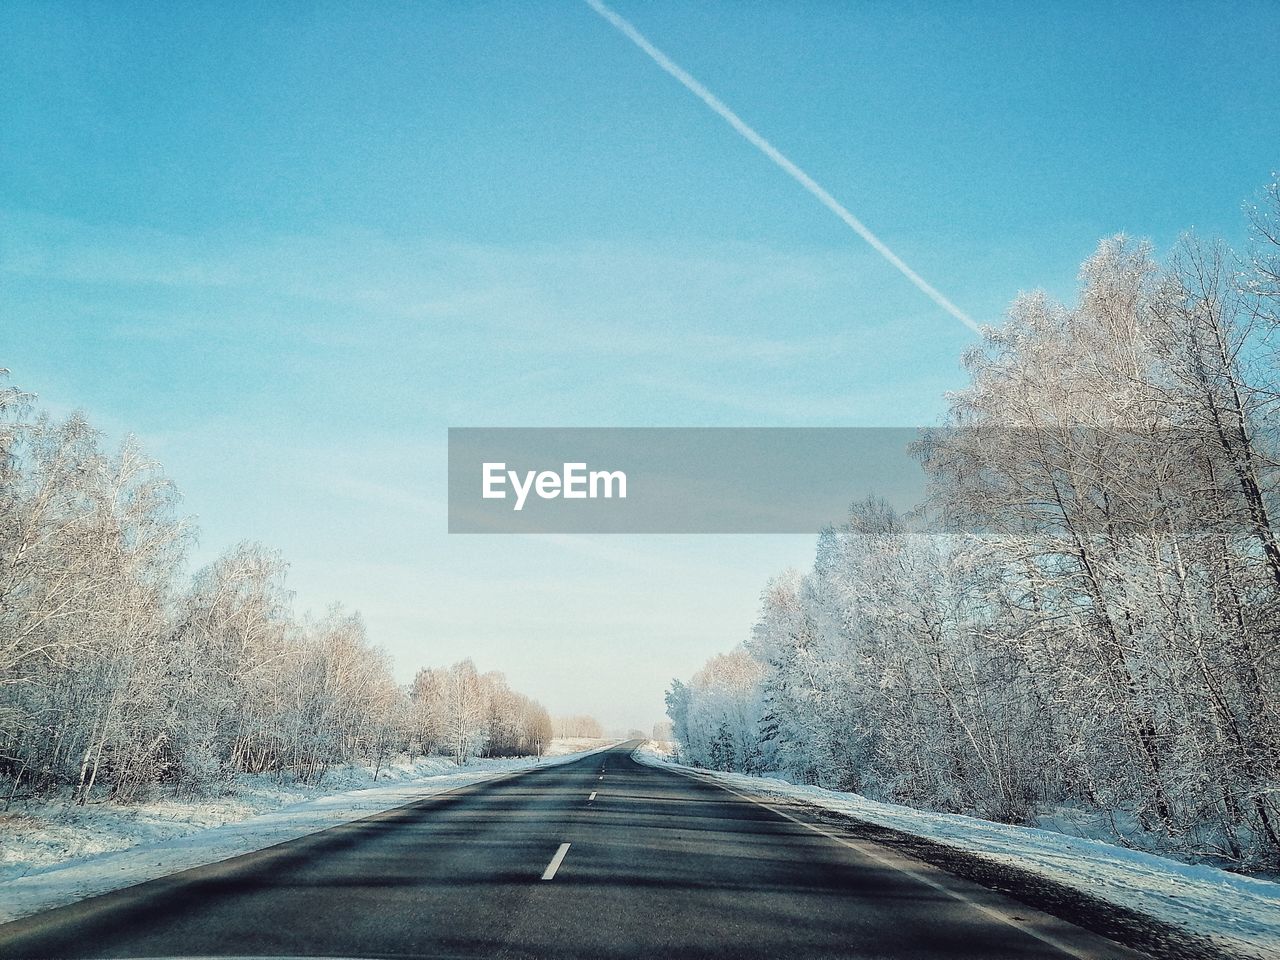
(54, 853)
(50, 832)
(1240, 913)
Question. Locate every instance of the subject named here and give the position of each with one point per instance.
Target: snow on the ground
(562, 745)
(43, 835)
(1240, 913)
(52, 855)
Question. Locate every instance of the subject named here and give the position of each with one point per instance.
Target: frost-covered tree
(725, 708)
(120, 674)
(1089, 617)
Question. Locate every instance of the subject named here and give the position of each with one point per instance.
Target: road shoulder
(1153, 935)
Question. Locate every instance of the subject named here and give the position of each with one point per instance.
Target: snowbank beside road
(44, 835)
(57, 857)
(1240, 913)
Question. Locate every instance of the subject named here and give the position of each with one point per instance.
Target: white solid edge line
(593, 795)
(866, 850)
(554, 865)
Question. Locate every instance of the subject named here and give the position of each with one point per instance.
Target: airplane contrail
(773, 153)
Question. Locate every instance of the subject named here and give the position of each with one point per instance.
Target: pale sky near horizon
(290, 245)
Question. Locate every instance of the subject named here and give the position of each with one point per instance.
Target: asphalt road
(658, 865)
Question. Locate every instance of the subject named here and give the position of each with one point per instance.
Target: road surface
(598, 858)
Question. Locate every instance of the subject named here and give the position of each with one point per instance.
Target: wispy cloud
(691, 330)
(606, 298)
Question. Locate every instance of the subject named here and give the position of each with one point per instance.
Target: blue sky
(289, 245)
